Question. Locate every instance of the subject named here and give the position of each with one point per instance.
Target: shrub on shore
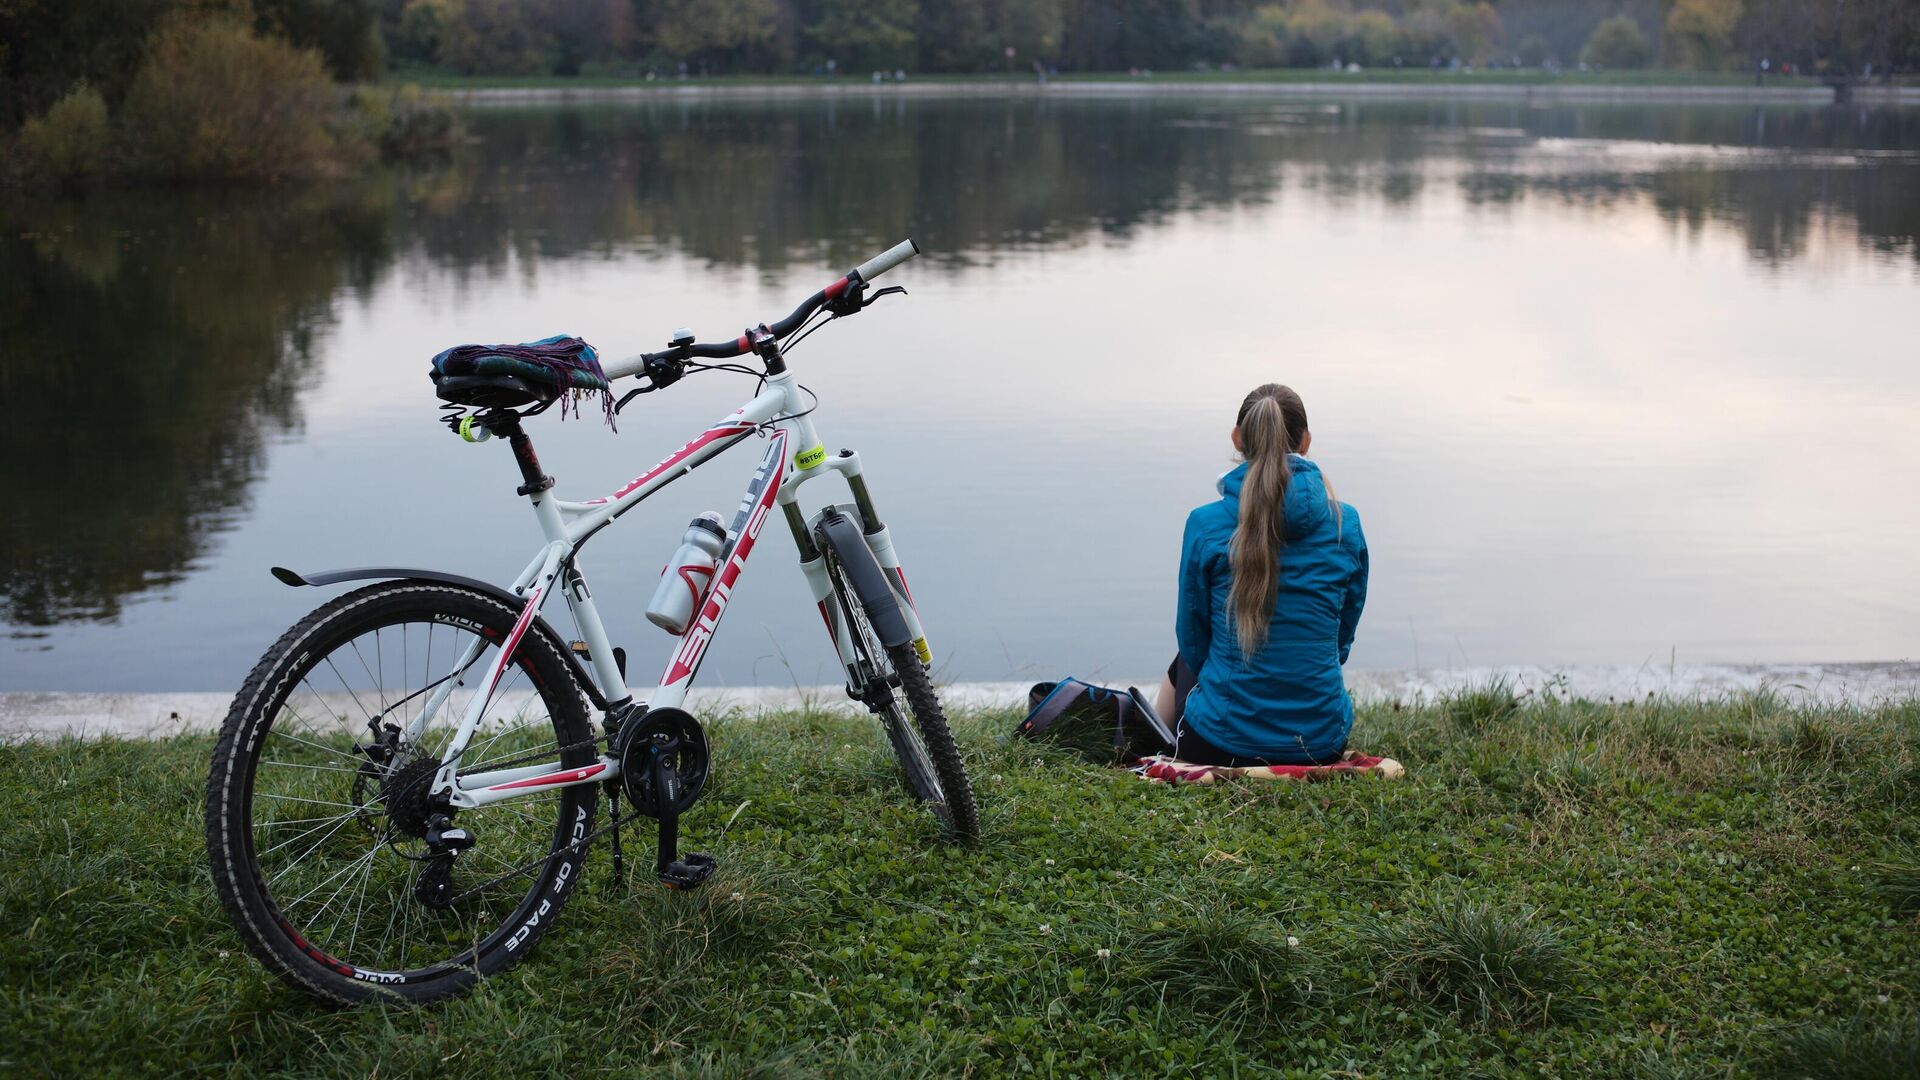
(1617, 43)
(71, 141)
(401, 120)
(213, 101)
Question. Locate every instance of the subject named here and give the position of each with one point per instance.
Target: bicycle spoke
(276, 731)
(317, 768)
(296, 839)
(349, 690)
(301, 799)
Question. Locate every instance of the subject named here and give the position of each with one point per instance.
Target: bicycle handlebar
(740, 346)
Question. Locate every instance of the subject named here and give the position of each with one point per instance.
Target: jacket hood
(1306, 504)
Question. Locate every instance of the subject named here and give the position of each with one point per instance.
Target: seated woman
(1272, 580)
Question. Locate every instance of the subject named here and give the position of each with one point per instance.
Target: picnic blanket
(1162, 769)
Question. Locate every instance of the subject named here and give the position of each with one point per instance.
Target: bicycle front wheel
(318, 807)
(895, 685)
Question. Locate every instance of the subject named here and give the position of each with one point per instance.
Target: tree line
(46, 46)
(711, 37)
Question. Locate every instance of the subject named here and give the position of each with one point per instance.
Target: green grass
(1558, 888)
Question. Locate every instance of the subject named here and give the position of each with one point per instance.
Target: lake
(1608, 384)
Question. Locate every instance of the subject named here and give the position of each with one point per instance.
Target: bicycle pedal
(688, 873)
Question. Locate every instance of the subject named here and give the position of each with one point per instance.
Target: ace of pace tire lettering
(351, 811)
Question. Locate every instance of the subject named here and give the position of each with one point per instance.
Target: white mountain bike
(405, 789)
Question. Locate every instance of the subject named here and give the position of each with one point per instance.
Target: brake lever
(855, 299)
(660, 374)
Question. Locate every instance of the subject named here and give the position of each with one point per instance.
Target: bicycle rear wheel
(895, 685)
(318, 807)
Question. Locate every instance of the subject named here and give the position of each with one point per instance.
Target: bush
(1479, 708)
(212, 101)
(1490, 967)
(1311, 33)
(1617, 43)
(1534, 51)
(402, 121)
(1234, 965)
(71, 141)
(1700, 33)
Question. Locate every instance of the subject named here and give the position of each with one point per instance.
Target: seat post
(507, 422)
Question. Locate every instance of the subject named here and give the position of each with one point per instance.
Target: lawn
(1558, 888)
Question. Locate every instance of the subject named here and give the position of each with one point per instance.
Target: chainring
(635, 745)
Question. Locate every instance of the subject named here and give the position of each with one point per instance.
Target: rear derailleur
(403, 789)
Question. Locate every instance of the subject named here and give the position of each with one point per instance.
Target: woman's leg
(1163, 702)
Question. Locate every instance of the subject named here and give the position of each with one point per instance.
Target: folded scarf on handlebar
(566, 362)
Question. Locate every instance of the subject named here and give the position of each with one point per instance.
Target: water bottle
(683, 584)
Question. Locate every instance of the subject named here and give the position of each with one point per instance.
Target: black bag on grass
(1107, 726)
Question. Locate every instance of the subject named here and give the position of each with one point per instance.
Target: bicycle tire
(933, 768)
(377, 797)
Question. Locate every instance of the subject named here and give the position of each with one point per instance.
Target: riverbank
(1648, 88)
(30, 715)
(1639, 890)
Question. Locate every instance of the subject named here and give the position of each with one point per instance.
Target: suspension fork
(879, 541)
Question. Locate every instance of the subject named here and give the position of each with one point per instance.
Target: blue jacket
(1289, 701)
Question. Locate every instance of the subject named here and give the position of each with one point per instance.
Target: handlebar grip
(620, 369)
(887, 260)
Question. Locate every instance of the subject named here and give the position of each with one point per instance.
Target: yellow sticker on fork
(926, 651)
(807, 459)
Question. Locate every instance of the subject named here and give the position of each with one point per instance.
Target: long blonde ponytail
(1271, 418)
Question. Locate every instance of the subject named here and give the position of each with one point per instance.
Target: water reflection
(152, 344)
(157, 344)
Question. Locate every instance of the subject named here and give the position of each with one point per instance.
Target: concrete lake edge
(1527, 93)
(51, 715)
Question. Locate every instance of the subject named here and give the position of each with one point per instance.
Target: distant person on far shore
(1273, 577)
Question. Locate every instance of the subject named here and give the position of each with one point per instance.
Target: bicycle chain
(571, 846)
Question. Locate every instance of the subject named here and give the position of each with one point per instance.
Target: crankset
(663, 766)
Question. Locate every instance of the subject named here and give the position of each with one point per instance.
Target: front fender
(840, 532)
(461, 581)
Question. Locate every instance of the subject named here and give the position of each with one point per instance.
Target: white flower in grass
(736, 898)
(1104, 954)
(1292, 942)
(1049, 862)
(1046, 928)
(1882, 998)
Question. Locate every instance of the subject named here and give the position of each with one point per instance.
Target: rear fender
(441, 577)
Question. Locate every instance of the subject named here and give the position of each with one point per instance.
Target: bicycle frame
(794, 456)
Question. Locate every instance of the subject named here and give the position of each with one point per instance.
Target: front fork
(880, 542)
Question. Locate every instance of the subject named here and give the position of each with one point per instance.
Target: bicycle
(381, 829)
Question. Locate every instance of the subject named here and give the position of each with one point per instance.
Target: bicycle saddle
(509, 376)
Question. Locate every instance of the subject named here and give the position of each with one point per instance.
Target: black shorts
(1189, 746)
